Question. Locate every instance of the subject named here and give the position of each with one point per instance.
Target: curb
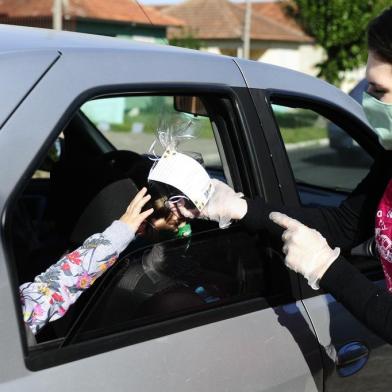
(311, 143)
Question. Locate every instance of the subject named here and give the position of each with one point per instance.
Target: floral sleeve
(50, 295)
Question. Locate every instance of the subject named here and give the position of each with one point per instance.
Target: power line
(144, 12)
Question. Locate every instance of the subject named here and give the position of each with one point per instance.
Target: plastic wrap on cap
(185, 174)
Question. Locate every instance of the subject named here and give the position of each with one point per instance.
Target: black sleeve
(345, 226)
(367, 302)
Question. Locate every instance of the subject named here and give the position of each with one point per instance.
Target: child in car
(51, 293)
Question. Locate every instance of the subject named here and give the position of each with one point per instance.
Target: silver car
(78, 116)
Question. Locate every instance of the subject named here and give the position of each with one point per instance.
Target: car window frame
(245, 176)
(263, 99)
(269, 300)
(358, 130)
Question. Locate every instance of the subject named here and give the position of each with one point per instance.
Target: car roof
(256, 74)
(22, 38)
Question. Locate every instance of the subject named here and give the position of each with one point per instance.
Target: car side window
(161, 275)
(176, 278)
(131, 123)
(322, 155)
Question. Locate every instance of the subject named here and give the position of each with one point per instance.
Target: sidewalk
(311, 143)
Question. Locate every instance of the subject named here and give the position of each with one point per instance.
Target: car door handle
(351, 358)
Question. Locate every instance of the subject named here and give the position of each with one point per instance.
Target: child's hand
(133, 216)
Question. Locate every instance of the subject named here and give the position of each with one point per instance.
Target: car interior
(86, 184)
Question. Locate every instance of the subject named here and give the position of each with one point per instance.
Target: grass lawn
(150, 122)
(302, 134)
(290, 134)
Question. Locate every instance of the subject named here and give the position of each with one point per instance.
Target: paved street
(318, 165)
(141, 143)
(323, 166)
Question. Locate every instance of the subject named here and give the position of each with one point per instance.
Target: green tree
(339, 27)
(186, 39)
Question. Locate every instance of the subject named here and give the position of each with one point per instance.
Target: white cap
(185, 174)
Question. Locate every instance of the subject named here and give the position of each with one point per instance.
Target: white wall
(301, 58)
(351, 78)
(291, 55)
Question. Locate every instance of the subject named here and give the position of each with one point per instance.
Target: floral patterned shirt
(51, 294)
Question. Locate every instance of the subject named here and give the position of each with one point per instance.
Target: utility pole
(57, 15)
(247, 26)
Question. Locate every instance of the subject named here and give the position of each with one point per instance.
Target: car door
(262, 340)
(297, 119)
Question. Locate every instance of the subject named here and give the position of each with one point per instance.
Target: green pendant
(184, 231)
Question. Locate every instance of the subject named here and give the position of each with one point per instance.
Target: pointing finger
(283, 220)
(286, 235)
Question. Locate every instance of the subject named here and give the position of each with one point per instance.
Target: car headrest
(108, 205)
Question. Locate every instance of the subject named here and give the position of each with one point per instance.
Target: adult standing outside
(365, 213)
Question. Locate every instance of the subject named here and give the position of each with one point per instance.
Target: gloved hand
(306, 250)
(224, 206)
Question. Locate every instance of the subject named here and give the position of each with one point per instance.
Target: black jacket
(345, 226)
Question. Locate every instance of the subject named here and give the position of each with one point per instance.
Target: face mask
(379, 115)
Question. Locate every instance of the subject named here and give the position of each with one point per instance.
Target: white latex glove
(224, 206)
(306, 250)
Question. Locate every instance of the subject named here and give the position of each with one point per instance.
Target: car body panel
(270, 349)
(21, 39)
(335, 328)
(334, 325)
(98, 70)
(18, 77)
(129, 55)
(263, 76)
(266, 350)
(244, 353)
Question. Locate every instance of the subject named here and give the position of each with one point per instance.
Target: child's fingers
(137, 205)
(143, 216)
(141, 203)
(138, 196)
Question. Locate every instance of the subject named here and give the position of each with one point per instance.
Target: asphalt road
(317, 165)
(325, 167)
(142, 142)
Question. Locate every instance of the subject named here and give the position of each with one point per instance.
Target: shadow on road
(350, 158)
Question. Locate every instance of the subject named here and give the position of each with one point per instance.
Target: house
(119, 18)
(219, 24)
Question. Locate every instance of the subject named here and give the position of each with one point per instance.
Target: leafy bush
(296, 119)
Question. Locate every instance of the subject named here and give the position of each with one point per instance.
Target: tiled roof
(117, 10)
(221, 19)
(275, 10)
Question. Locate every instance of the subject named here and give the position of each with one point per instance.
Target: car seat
(81, 172)
(108, 205)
